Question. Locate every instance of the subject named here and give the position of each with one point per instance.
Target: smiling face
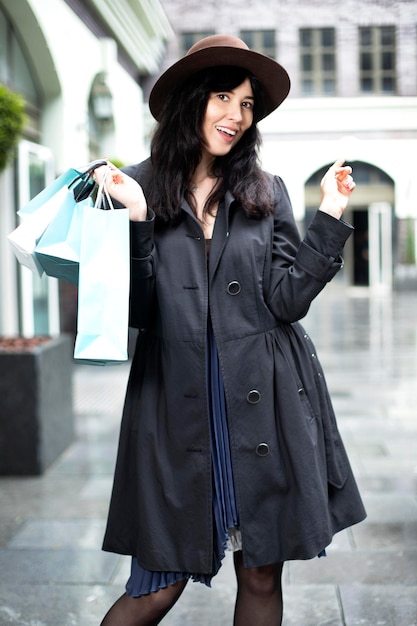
(228, 115)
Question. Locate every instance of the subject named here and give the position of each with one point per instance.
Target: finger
(337, 166)
(350, 183)
(342, 172)
(339, 163)
(99, 172)
(339, 170)
(346, 185)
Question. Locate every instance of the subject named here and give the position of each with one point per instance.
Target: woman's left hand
(336, 186)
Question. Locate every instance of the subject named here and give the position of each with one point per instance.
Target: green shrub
(12, 121)
(117, 162)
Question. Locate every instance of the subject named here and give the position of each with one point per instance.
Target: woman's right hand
(123, 189)
(336, 186)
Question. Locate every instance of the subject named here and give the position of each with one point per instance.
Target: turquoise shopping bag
(58, 250)
(77, 180)
(51, 190)
(24, 238)
(104, 283)
(72, 185)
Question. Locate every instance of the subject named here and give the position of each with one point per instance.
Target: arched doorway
(369, 251)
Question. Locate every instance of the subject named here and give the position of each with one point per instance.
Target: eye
(222, 96)
(247, 104)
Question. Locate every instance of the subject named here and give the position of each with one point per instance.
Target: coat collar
(224, 208)
(221, 229)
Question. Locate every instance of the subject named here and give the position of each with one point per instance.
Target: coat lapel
(221, 233)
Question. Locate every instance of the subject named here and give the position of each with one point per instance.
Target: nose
(235, 112)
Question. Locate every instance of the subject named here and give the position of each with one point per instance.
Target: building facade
(85, 68)
(353, 68)
(80, 66)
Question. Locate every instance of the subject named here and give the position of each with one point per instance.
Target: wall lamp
(101, 99)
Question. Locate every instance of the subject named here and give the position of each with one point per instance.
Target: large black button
(253, 396)
(233, 288)
(262, 449)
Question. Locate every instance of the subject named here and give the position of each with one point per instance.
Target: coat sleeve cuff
(141, 236)
(327, 235)
(320, 252)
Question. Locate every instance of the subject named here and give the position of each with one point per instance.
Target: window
(377, 59)
(17, 74)
(262, 41)
(317, 61)
(189, 39)
(4, 70)
(15, 71)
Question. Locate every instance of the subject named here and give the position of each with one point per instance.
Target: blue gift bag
(72, 185)
(78, 180)
(58, 250)
(25, 237)
(46, 194)
(104, 283)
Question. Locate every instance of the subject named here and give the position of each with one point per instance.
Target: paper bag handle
(103, 191)
(83, 185)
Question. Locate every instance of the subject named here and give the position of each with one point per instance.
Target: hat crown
(215, 41)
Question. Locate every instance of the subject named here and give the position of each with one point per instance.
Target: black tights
(259, 594)
(147, 610)
(258, 600)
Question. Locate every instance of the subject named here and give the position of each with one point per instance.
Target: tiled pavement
(53, 573)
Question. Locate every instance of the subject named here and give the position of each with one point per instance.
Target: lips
(227, 133)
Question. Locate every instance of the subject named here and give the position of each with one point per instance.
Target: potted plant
(36, 402)
(12, 121)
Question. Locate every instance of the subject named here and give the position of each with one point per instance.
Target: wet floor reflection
(367, 344)
(375, 334)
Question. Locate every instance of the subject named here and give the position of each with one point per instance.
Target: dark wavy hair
(176, 149)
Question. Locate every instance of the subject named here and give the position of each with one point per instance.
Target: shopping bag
(78, 180)
(58, 250)
(72, 186)
(104, 282)
(63, 181)
(24, 238)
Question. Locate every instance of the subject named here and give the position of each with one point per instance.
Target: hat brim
(272, 76)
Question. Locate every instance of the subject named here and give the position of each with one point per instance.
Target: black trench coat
(293, 482)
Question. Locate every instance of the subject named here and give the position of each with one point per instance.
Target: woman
(228, 435)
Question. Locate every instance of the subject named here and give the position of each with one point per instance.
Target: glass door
(39, 297)
(380, 245)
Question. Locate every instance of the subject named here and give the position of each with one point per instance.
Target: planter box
(36, 403)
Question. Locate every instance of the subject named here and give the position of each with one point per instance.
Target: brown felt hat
(217, 50)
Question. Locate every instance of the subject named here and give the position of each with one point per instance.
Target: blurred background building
(353, 68)
(85, 68)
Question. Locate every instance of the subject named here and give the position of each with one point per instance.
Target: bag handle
(103, 192)
(86, 185)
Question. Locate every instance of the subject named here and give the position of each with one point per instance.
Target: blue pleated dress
(225, 514)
